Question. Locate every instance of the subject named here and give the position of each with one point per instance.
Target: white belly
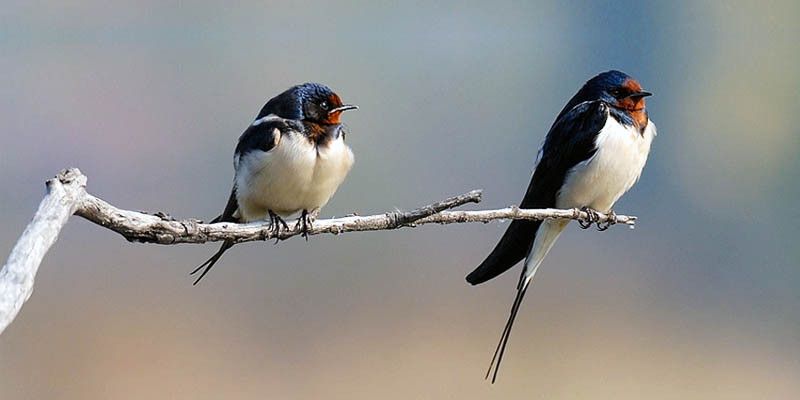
(601, 180)
(293, 176)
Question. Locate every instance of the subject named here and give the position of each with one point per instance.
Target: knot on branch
(190, 226)
(71, 176)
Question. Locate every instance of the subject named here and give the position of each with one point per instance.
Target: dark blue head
(615, 88)
(313, 102)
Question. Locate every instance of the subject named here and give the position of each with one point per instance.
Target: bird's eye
(615, 92)
(324, 105)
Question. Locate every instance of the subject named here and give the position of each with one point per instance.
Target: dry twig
(66, 195)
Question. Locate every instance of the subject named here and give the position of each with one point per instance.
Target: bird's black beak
(640, 94)
(343, 108)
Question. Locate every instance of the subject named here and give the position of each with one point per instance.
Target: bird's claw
(590, 220)
(593, 217)
(612, 220)
(305, 223)
(275, 224)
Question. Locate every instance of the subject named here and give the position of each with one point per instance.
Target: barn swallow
(594, 152)
(291, 159)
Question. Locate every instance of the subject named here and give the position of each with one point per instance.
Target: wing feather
(570, 141)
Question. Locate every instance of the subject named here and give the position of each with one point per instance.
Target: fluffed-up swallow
(594, 152)
(291, 159)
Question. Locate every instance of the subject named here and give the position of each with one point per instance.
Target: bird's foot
(275, 225)
(306, 222)
(591, 220)
(612, 220)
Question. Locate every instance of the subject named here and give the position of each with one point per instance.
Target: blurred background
(701, 300)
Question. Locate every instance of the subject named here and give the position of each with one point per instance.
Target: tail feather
(228, 215)
(510, 250)
(501, 345)
(546, 236)
(211, 261)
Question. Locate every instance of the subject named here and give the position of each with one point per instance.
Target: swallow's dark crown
(598, 88)
(289, 104)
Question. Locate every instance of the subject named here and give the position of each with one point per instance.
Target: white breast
(616, 165)
(295, 175)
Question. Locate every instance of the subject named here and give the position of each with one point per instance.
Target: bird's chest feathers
(598, 182)
(295, 175)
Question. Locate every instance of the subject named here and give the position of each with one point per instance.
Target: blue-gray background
(147, 98)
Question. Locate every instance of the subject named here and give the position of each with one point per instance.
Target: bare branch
(160, 228)
(17, 275)
(514, 212)
(67, 195)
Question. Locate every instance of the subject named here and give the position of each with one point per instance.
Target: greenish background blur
(701, 301)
